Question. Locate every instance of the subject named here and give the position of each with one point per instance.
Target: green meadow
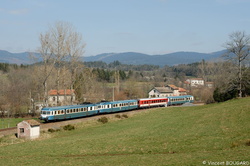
(11, 122)
(215, 134)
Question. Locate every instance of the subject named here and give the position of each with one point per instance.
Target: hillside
(133, 58)
(165, 136)
(16, 58)
(160, 60)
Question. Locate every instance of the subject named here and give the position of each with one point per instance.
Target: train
(77, 111)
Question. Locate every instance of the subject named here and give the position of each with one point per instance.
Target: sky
(144, 26)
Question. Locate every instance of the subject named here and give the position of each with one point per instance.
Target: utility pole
(113, 93)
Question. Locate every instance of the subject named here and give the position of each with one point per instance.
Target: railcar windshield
(45, 112)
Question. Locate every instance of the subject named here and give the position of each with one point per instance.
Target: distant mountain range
(125, 58)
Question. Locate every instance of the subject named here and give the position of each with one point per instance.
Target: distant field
(10, 122)
(200, 135)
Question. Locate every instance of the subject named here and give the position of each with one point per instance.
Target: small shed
(29, 129)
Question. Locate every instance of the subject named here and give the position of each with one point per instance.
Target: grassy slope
(164, 136)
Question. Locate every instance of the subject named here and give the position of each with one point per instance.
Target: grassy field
(200, 135)
(11, 122)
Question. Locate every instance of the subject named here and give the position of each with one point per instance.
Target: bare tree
(238, 49)
(59, 45)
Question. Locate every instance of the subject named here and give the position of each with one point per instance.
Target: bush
(69, 127)
(124, 115)
(103, 120)
(224, 96)
(51, 130)
(118, 116)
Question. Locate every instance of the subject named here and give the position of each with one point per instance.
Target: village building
(29, 129)
(166, 91)
(182, 92)
(160, 92)
(66, 96)
(195, 82)
(209, 84)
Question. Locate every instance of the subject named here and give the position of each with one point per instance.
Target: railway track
(57, 124)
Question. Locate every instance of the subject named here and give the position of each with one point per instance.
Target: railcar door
(64, 114)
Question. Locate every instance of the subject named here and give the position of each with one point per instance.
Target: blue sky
(145, 26)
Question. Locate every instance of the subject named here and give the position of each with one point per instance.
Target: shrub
(103, 120)
(69, 127)
(247, 143)
(52, 130)
(118, 116)
(124, 115)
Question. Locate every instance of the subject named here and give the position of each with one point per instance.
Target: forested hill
(133, 58)
(160, 60)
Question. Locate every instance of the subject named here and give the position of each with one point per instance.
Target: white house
(194, 82)
(64, 96)
(160, 92)
(29, 129)
(168, 90)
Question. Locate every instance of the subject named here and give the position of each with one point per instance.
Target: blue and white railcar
(124, 105)
(105, 107)
(178, 100)
(68, 112)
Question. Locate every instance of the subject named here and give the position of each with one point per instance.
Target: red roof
(173, 87)
(182, 90)
(61, 92)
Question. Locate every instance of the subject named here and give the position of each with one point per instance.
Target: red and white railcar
(152, 102)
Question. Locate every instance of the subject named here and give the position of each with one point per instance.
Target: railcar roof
(123, 101)
(155, 98)
(117, 102)
(180, 96)
(68, 107)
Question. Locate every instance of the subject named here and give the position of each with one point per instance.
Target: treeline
(5, 67)
(119, 66)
